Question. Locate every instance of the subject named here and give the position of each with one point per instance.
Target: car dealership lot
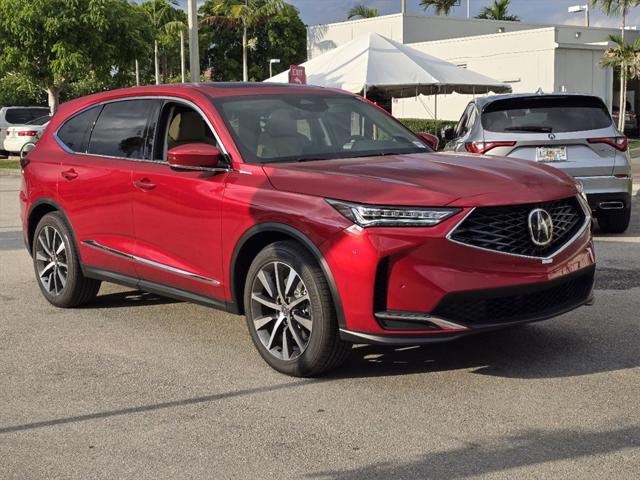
(137, 386)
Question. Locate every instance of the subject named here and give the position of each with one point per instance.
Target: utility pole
(404, 7)
(194, 50)
(182, 60)
(137, 73)
(468, 9)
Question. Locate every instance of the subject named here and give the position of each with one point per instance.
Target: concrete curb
(9, 172)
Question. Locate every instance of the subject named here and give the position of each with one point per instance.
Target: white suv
(10, 116)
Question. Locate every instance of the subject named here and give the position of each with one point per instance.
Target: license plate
(551, 154)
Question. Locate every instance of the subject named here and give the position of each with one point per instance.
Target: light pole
(581, 8)
(271, 62)
(194, 51)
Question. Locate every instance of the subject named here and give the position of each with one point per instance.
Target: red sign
(297, 75)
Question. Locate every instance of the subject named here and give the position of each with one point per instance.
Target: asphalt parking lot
(137, 386)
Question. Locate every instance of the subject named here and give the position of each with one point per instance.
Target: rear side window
(546, 115)
(121, 129)
(75, 132)
(19, 116)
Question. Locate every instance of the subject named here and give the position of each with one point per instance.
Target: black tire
(76, 290)
(324, 349)
(614, 221)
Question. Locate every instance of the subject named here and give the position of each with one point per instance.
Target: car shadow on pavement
(527, 448)
(530, 351)
(130, 298)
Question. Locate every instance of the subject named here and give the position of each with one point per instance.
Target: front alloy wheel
(281, 310)
(290, 312)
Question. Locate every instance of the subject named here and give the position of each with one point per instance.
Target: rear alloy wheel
(56, 264)
(290, 313)
(614, 221)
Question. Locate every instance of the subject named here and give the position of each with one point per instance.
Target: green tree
(362, 11)
(246, 13)
(282, 35)
(160, 13)
(621, 8)
(53, 43)
(624, 57)
(442, 7)
(173, 29)
(499, 10)
(18, 90)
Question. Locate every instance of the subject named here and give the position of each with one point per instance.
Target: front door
(177, 214)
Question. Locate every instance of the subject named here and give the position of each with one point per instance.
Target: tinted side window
(121, 129)
(75, 132)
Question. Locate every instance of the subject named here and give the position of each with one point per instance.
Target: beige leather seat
(188, 127)
(280, 137)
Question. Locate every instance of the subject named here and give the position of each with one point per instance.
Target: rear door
(557, 130)
(95, 187)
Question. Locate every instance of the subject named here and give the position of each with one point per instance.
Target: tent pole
(436, 107)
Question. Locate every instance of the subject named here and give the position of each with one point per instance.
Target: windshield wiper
(529, 128)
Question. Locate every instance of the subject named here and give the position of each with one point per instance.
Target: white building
(527, 56)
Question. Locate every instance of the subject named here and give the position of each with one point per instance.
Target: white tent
(374, 62)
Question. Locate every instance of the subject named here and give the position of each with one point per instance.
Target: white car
(17, 116)
(18, 136)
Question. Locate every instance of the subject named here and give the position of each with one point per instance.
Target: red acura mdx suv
(311, 211)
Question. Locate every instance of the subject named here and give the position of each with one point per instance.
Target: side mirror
(194, 156)
(448, 134)
(430, 140)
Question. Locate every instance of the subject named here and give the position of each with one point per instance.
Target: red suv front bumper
(413, 285)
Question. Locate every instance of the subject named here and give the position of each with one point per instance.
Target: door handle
(144, 184)
(70, 174)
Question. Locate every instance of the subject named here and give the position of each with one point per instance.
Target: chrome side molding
(151, 263)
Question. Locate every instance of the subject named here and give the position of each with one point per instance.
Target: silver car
(574, 133)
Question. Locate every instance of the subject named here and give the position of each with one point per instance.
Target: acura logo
(540, 227)
(552, 136)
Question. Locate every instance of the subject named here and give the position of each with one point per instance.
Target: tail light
(619, 143)
(484, 147)
(27, 133)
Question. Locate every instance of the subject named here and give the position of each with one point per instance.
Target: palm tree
(626, 58)
(178, 28)
(622, 8)
(362, 11)
(159, 11)
(498, 11)
(246, 13)
(442, 7)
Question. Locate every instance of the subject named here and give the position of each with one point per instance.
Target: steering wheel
(353, 139)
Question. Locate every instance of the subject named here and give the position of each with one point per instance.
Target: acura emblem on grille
(540, 227)
(552, 136)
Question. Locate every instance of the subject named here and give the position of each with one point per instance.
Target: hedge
(426, 125)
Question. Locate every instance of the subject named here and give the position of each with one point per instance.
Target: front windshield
(295, 127)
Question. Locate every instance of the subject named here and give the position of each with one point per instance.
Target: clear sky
(314, 12)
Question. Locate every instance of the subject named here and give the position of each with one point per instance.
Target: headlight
(378, 216)
(580, 188)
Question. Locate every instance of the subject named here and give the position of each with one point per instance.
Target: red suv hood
(424, 180)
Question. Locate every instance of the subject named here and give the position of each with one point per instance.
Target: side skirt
(157, 288)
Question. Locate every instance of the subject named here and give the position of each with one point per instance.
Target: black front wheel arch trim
(306, 242)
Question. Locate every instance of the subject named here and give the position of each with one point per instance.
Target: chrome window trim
(547, 259)
(151, 263)
(138, 97)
